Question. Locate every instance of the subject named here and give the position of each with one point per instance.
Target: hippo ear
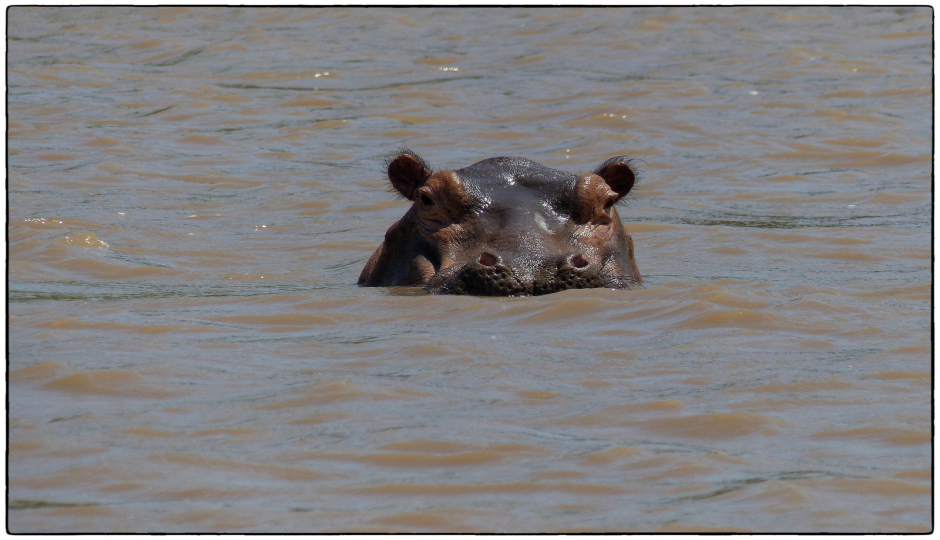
(407, 173)
(617, 173)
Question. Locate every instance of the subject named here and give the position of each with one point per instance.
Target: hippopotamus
(506, 226)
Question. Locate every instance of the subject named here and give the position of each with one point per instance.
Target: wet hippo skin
(506, 226)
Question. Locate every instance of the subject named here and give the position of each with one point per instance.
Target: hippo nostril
(488, 259)
(578, 261)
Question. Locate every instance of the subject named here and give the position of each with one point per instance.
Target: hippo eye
(609, 205)
(425, 200)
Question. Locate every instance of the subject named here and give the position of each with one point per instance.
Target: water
(194, 191)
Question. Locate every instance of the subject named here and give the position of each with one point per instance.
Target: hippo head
(506, 226)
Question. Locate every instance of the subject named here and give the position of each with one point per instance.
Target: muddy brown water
(193, 192)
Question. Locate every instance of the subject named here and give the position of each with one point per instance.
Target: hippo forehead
(518, 183)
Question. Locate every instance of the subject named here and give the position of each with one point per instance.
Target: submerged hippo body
(506, 226)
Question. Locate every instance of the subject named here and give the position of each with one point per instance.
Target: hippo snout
(572, 271)
(488, 275)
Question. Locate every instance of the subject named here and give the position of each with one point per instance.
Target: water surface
(193, 192)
